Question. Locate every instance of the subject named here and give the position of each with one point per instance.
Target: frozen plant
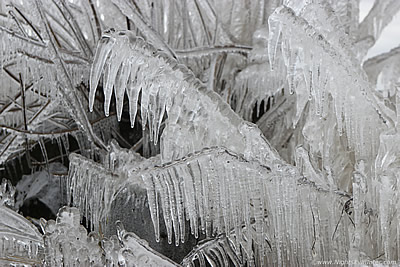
(222, 133)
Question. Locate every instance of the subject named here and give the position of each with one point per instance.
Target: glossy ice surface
(264, 131)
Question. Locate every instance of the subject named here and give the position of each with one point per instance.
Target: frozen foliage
(255, 126)
(250, 83)
(66, 243)
(20, 242)
(150, 74)
(214, 252)
(134, 250)
(219, 191)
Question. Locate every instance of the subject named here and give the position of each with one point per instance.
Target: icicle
(44, 153)
(103, 50)
(60, 150)
(153, 203)
(133, 96)
(65, 141)
(92, 188)
(173, 206)
(165, 196)
(359, 190)
(121, 82)
(275, 28)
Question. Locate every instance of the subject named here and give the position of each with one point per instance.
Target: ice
(383, 71)
(316, 178)
(66, 242)
(19, 239)
(229, 209)
(104, 47)
(217, 252)
(93, 187)
(16, 141)
(129, 10)
(136, 251)
(179, 187)
(378, 18)
(257, 81)
(328, 50)
(94, 177)
(139, 79)
(33, 54)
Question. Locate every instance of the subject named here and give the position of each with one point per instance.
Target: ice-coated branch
(73, 103)
(53, 134)
(327, 69)
(70, 19)
(132, 65)
(65, 242)
(207, 51)
(151, 35)
(91, 187)
(11, 143)
(16, 35)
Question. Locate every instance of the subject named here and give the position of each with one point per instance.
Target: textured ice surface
(20, 241)
(318, 180)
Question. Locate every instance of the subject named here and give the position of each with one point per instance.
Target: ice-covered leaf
(130, 64)
(212, 189)
(136, 251)
(216, 252)
(329, 72)
(20, 241)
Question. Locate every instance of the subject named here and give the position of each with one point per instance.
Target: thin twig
(14, 137)
(29, 23)
(24, 114)
(203, 24)
(96, 18)
(129, 11)
(206, 51)
(18, 23)
(69, 18)
(45, 134)
(27, 39)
